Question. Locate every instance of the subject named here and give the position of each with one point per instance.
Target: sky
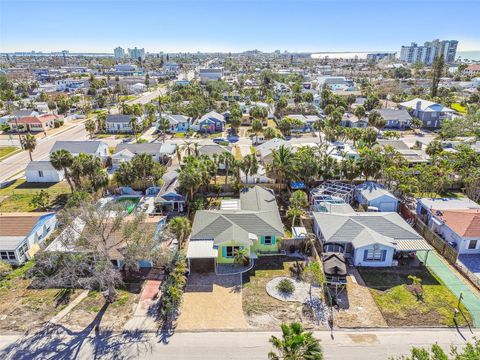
(235, 25)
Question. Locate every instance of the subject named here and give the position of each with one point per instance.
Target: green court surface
(454, 282)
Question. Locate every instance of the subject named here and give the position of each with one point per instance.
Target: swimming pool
(130, 203)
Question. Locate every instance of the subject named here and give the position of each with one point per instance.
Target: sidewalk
(145, 314)
(455, 283)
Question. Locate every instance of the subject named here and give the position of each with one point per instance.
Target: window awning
(413, 245)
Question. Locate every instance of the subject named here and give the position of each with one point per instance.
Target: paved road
(17, 163)
(58, 343)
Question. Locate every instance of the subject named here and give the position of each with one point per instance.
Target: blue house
(178, 123)
(211, 122)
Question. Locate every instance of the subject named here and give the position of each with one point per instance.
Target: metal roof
(198, 249)
(413, 245)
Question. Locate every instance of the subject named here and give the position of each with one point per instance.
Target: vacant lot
(263, 311)
(17, 196)
(401, 307)
(23, 309)
(114, 317)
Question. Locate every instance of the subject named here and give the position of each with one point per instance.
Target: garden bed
(263, 311)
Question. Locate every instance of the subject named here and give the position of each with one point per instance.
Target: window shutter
(365, 254)
(262, 240)
(384, 255)
(224, 251)
(274, 240)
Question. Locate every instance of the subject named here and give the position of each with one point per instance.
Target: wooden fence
(445, 249)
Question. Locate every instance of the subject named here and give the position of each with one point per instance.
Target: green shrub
(285, 286)
(5, 269)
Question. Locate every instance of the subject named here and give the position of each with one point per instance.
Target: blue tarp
(295, 185)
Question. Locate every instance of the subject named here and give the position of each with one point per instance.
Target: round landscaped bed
(280, 288)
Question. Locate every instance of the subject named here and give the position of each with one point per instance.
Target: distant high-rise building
(427, 53)
(119, 52)
(375, 57)
(136, 53)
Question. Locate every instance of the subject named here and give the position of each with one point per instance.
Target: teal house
(251, 222)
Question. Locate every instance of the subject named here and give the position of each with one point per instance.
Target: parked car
(220, 140)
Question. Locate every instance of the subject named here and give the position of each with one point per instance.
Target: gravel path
(300, 294)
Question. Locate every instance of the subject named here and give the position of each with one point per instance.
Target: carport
(414, 245)
(201, 256)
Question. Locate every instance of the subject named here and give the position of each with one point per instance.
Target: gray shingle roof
(149, 148)
(40, 165)
(362, 228)
(394, 114)
(259, 217)
(371, 190)
(118, 118)
(77, 147)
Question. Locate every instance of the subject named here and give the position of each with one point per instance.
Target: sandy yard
(357, 307)
(212, 302)
(115, 316)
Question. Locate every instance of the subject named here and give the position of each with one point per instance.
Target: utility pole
(18, 132)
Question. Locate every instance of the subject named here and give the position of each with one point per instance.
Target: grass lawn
(115, 316)
(271, 123)
(400, 307)
(17, 196)
(22, 308)
(238, 153)
(126, 97)
(6, 151)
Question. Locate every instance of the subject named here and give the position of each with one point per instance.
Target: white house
(369, 238)
(97, 148)
(43, 172)
(373, 194)
(120, 157)
(22, 233)
(119, 123)
(460, 228)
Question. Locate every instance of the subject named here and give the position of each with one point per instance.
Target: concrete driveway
(212, 302)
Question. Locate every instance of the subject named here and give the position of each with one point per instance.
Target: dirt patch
(114, 318)
(23, 309)
(265, 312)
(212, 302)
(357, 307)
(364, 338)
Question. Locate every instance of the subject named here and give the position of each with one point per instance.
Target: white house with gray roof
(372, 194)
(251, 223)
(120, 123)
(97, 148)
(369, 238)
(42, 172)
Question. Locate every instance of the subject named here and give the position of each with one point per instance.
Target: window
(40, 173)
(374, 254)
(7, 255)
(472, 244)
(22, 250)
(230, 251)
(267, 240)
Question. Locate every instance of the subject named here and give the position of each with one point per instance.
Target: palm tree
(269, 133)
(249, 166)
(63, 160)
(257, 127)
(163, 126)
(295, 344)
(134, 126)
(91, 127)
(29, 142)
(282, 163)
(180, 227)
(229, 161)
(235, 123)
(434, 149)
(240, 256)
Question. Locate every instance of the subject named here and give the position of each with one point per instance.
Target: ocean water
(470, 55)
